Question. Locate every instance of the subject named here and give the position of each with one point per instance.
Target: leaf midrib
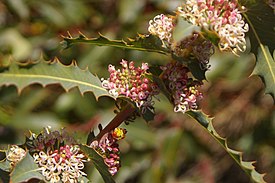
(116, 44)
(52, 77)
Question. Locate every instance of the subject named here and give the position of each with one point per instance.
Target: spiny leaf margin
(205, 121)
(142, 42)
(265, 68)
(261, 19)
(51, 72)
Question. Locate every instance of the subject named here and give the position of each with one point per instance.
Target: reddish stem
(118, 119)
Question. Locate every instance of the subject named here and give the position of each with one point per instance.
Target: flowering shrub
(56, 156)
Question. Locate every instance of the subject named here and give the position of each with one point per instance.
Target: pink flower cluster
(59, 160)
(185, 94)
(64, 164)
(221, 16)
(131, 82)
(162, 26)
(108, 148)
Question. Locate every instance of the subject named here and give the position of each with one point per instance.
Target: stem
(118, 119)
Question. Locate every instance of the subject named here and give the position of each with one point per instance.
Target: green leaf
(196, 70)
(83, 179)
(54, 72)
(5, 165)
(261, 19)
(265, 68)
(194, 66)
(98, 161)
(25, 170)
(149, 115)
(148, 43)
(248, 167)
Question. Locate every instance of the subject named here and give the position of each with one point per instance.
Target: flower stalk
(125, 113)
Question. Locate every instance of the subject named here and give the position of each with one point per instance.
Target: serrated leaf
(247, 166)
(148, 43)
(98, 162)
(54, 72)
(265, 68)
(261, 19)
(25, 170)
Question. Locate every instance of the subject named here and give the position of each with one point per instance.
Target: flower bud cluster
(221, 16)
(162, 26)
(196, 45)
(131, 82)
(15, 154)
(108, 148)
(57, 156)
(184, 89)
(47, 139)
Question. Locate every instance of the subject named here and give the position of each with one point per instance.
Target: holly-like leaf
(25, 170)
(265, 68)
(261, 19)
(148, 43)
(98, 162)
(247, 166)
(54, 72)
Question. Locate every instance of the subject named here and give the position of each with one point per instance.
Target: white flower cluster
(220, 16)
(162, 26)
(63, 165)
(15, 154)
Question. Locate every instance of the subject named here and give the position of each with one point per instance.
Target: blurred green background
(171, 149)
